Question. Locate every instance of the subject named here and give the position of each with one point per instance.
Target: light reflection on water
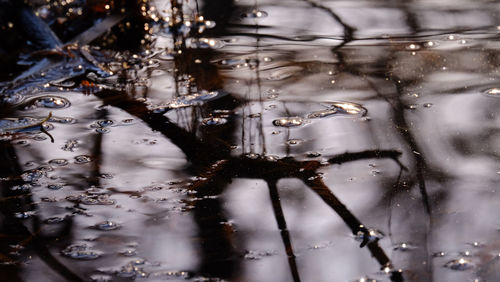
(166, 170)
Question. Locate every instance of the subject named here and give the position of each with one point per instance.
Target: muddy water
(266, 141)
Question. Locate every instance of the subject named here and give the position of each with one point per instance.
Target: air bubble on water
(430, 44)
(33, 175)
(321, 245)
(313, 154)
(466, 253)
(371, 235)
(101, 278)
(107, 225)
(128, 252)
(404, 247)
(294, 141)
(348, 108)
(54, 220)
(258, 254)
(257, 115)
(255, 14)
(102, 199)
(51, 102)
(285, 72)
(24, 215)
(288, 122)
(58, 162)
(188, 100)
(322, 113)
(204, 43)
(81, 252)
(460, 264)
(476, 244)
(439, 254)
(70, 145)
(63, 120)
(55, 186)
(102, 130)
(12, 99)
(105, 123)
(23, 187)
(131, 271)
(413, 47)
(106, 176)
(82, 159)
(492, 92)
(214, 121)
(364, 279)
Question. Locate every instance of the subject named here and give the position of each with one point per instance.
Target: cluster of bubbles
(334, 108)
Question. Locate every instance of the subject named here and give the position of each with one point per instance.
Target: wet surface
(253, 141)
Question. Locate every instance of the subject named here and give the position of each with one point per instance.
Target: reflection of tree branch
(285, 235)
(9, 165)
(317, 185)
(370, 154)
(348, 30)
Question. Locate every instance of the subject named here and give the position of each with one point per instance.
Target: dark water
(290, 141)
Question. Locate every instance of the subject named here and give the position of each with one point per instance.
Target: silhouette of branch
(285, 235)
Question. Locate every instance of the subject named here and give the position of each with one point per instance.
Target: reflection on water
(252, 141)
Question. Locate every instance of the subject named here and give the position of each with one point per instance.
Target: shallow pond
(261, 141)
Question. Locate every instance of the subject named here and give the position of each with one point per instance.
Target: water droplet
(288, 122)
(81, 251)
(82, 159)
(106, 225)
(52, 102)
(214, 121)
(493, 92)
(459, 264)
(427, 105)
(59, 162)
